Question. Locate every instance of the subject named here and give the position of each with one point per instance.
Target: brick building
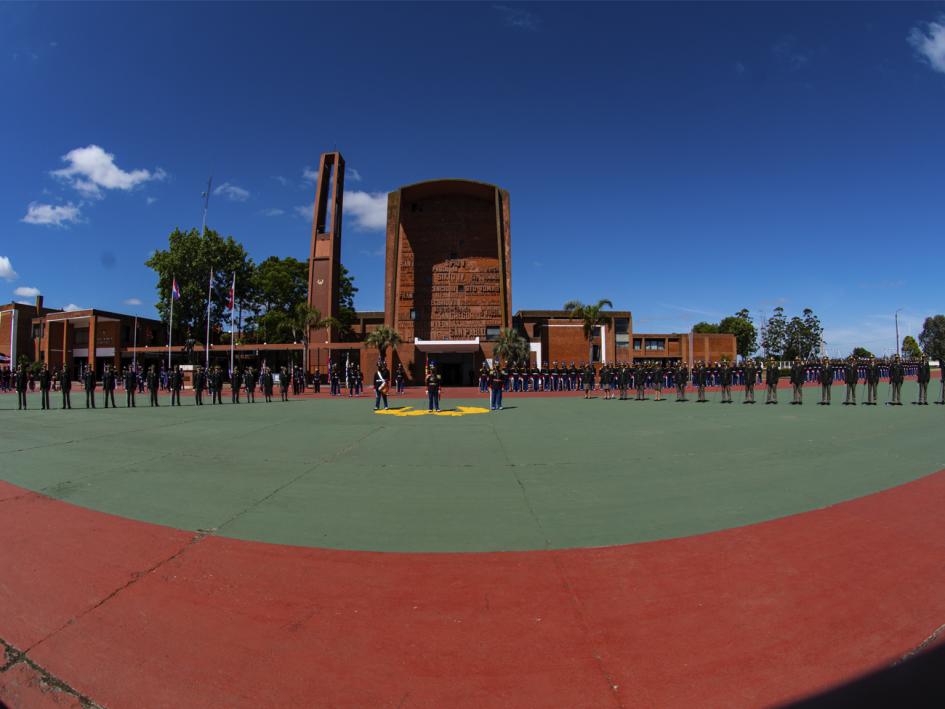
(448, 288)
(16, 329)
(93, 338)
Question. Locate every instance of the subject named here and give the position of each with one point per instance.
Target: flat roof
(566, 313)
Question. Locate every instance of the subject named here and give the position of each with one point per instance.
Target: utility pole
(897, 331)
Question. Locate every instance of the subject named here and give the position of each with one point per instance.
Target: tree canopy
(797, 337)
(932, 337)
(861, 353)
(190, 258)
(910, 348)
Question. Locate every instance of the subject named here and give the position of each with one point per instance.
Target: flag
(233, 292)
(175, 291)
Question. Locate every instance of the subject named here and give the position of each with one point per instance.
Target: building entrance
(455, 368)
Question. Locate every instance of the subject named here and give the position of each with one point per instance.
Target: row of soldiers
(211, 379)
(615, 381)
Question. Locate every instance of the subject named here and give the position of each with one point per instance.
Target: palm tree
(382, 338)
(510, 346)
(592, 317)
(302, 321)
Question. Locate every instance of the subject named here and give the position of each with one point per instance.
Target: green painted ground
(544, 473)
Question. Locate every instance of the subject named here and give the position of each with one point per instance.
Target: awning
(446, 345)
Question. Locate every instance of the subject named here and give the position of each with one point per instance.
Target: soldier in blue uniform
(432, 382)
(381, 384)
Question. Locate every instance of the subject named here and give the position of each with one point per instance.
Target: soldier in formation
(872, 381)
(154, 385)
(235, 385)
(923, 376)
(432, 382)
(825, 375)
(772, 375)
(90, 383)
(750, 374)
(108, 385)
(896, 375)
(177, 383)
(45, 382)
(249, 384)
(851, 375)
(284, 382)
(381, 384)
(798, 375)
(65, 386)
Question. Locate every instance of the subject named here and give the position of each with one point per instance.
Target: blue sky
(683, 160)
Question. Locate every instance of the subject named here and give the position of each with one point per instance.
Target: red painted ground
(131, 614)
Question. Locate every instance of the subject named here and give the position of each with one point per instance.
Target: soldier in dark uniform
(400, 377)
(826, 381)
(772, 375)
(896, 375)
(249, 383)
(700, 378)
(154, 386)
(235, 385)
(381, 384)
(65, 384)
(725, 381)
(131, 383)
(622, 383)
(851, 375)
(923, 375)
(798, 374)
(90, 383)
(432, 382)
(267, 392)
(45, 382)
(21, 380)
(639, 381)
(750, 374)
(177, 382)
(941, 372)
(587, 380)
(872, 381)
(681, 379)
(108, 385)
(284, 384)
(199, 384)
(218, 385)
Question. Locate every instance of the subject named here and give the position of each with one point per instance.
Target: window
(595, 353)
(82, 338)
(655, 343)
(637, 343)
(492, 332)
(621, 326)
(413, 313)
(461, 287)
(623, 340)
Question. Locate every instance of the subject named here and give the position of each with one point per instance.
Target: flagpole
(170, 327)
(134, 356)
(232, 316)
(209, 297)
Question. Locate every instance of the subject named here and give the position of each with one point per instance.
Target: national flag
(175, 291)
(233, 292)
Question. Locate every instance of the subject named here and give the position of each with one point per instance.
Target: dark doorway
(455, 368)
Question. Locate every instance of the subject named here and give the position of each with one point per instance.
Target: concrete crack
(16, 657)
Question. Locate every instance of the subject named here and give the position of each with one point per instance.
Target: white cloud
(91, 169)
(232, 192)
(26, 292)
(151, 200)
(352, 174)
(929, 43)
(72, 307)
(131, 301)
(281, 180)
(518, 18)
(273, 212)
(309, 174)
(369, 209)
(6, 269)
(49, 214)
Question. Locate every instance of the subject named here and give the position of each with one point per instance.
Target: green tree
(746, 336)
(190, 258)
(861, 353)
(510, 346)
(910, 348)
(591, 316)
(279, 285)
(346, 312)
(303, 319)
(706, 328)
(932, 337)
(774, 335)
(382, 338)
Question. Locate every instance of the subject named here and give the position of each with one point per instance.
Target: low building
(16, 329)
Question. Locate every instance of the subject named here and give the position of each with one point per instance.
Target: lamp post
(897, 331)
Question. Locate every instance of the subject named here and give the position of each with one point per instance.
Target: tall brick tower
(324, 260)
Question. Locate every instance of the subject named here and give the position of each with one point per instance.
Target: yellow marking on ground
(410, 411)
